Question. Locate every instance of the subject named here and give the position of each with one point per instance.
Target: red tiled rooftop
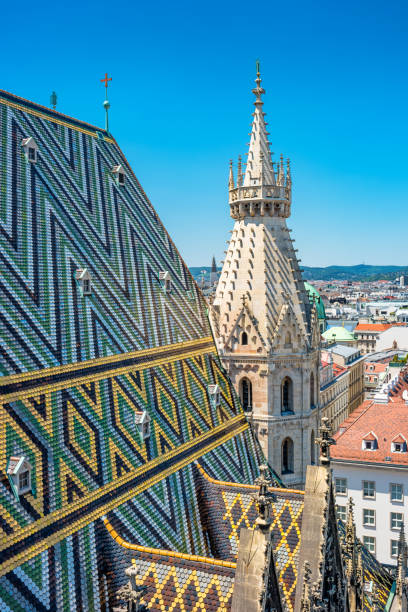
(386, 421)
(370, 436)
(374, 367)
(372, 327)
(337, 369)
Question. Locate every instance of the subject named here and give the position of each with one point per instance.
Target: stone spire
(268, 342)
(402, 564)
(213, 275)
(231, 177)
(259, 144)
(258, 192)
(354, 564)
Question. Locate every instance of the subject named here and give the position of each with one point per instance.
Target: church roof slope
(85, 354)
(227, 507)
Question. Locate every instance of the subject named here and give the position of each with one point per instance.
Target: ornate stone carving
(325, 441)
(131, 593)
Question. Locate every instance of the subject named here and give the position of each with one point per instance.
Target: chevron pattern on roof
(78, 365)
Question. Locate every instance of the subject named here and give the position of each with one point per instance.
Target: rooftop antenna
(53, 100)
(106, 104)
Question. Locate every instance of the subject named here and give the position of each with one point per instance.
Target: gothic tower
(214, 274)
(266, 329)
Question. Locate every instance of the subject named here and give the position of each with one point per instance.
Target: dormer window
(370, 441)
(399, 444)
(30, 149)
(19, 475)
(165, 280)
(119, 174)
(215, 395)
(84, 279)
(142, 421)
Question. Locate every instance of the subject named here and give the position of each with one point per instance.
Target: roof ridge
(356, 419)
(49, 111)
(165, 553)
(241, 485)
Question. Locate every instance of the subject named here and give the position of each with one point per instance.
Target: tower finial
(258, 91)
(288, 174)
(53, 100)
(106, 104)
(239, 176)
(281, 174)
(325, 441)
(231, 176)
(263, 498)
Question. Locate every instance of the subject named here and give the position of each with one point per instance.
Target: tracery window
(287, 395)
(287, 456)
(246, 394)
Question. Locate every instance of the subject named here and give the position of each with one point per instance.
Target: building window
(244, 338)
(341, 486)
(288, 340)
(397, 492)
(397, 520)
(369, 488)
(369, 445)
(215, 395)
(246, 394)
(84, 279)
(119, 174)
(165, 280)
(369, 543)
(312, 390)
(287, 395)
(341, 513)
(24, 481)
(19, 475)
(30, 149)
(142, 421)
(394, 548)
(399, 446)
(368, 517)
(287, 456)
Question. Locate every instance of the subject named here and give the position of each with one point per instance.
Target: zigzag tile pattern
(227, 507)
(75, 368)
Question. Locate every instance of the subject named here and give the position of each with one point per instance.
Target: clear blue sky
(336, 82)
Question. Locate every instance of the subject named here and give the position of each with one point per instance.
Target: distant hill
(356, 273)
(353, 273)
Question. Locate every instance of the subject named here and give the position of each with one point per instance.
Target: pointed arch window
(287, 395)
(244, 338)
(246, 394)
(288, 340)
(312, 391)
(287, 456)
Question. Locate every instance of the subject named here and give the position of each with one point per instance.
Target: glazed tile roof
(227, 507)
(385, 421)
(176, 581)
(176, 576)
(77, 369)
(182, 580)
